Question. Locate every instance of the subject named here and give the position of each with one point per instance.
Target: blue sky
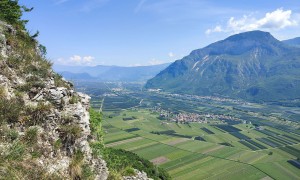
(145, 32)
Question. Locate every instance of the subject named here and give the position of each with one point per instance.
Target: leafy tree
(11, 12)
(43, 50)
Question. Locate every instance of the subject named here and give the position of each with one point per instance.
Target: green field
(257, 146)
(187, 158)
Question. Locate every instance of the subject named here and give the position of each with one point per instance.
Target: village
(184, 117)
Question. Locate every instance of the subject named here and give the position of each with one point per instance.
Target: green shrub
(78, 169)
(38, 113)
(114, 175)
(13, 62)
(96, 125)
(74, 99)
(7, 134)
(75, 169)
(69, 133)
(129, 171)
(35, 154)
(97, 148)
(2, 92)
(9, 110)
(43, 50)
(57, 144)
(87, 172)
(72, 130)
(31, 136)
(66, 119)
(59, 82)
(19, 96)
(33, 78)
(12, 135)
(41, 69)
(26, 169)
(31, 84)
(16, 151)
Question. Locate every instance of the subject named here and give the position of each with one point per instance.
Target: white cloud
(171, 54)
(276, 20)
(77, 60)
(88, 59)
(154, 61)
(216, 29)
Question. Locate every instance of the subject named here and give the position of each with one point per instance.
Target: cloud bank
(77, 60)
(276, 20)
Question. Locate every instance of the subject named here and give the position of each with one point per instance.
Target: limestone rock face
(65, 109)
(78, 114)
(4, 48)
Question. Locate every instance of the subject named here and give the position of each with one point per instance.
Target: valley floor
(218, 155)
(194, 137)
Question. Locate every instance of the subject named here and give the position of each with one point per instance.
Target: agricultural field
(233, 140)
(221, 151)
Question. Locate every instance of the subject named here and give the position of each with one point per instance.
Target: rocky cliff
(45, 128)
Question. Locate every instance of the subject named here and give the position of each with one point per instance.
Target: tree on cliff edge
(11, 12)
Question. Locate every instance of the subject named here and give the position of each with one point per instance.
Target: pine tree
(11, 12)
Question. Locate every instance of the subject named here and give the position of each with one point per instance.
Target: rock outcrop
(50, 105)
(138, 176)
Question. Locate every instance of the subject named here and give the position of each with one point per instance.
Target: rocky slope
(45, 128)
(251, 65)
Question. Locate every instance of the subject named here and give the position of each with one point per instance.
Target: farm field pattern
(185, 158)
(258, 146)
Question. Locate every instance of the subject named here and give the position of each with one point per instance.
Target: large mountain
(251, 65)
(110, 73)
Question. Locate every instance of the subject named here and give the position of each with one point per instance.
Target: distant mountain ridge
(110, 73)
(293, 42)
(251, 65)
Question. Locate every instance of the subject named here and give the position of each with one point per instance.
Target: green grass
(155, 151)
(190, 159)
(118, 136)
(135, 145)
(280, 170)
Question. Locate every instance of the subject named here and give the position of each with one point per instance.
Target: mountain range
(251, 65)
(110, 73)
